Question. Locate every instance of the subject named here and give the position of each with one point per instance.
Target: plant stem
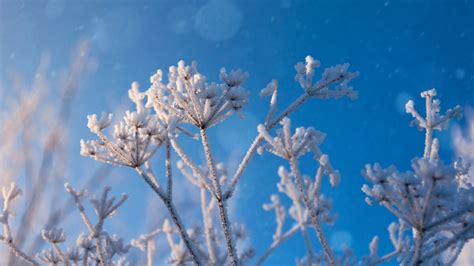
(258, 139)
(276, 244)
(304, 232)
(60, 254)
(169, 176)
(174, 216)
(85, 258)
(218, 196)
(439, 249)
(449, 217)
(208, 232)
(15, 250)
(418, 238)
(177, 221)
(150, 251)
(96, 235)
(314, 218)
(429, 128)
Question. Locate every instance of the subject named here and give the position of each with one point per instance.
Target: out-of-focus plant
(463, 141)
(33, 146)
(433, 204)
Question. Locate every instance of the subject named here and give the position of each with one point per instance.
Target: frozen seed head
(97, 125)
(54, 235)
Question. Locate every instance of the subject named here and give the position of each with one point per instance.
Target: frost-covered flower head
(304, 140)
(136, 138)
(54, 235)
(190, 98)
(432, 120)
(74, 254)
(431, 188)
(86, 242)
(286, 145)
(322, 206)
(143, 240)
(431, 199)
(116, 245)
(9, 194)
(50, 257)
(332, 84)
(106, 205)
(97, 125)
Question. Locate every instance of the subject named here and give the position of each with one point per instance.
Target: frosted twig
(432, 120)
(314, 218)
(321, 89)
(76, 196)
(9, 195)
(208, 228)
(449, 217)
(277, 243)
(174, 215)
(191, 164)
(146, 242)
(18, 252)
(218, 196)
(169, 177)
(439, 249)
(150, 181)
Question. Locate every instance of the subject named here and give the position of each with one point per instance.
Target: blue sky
(399, 47)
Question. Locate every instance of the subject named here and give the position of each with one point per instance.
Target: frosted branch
(333, 84)
(9, 194)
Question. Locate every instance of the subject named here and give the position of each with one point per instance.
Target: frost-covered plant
(34, 146)
(186, 98)
(9, 194)
(434, 203)
(97, 245)
(291, 147)
(463, 141)
(430, 202)
(106, 246)
(299, 213)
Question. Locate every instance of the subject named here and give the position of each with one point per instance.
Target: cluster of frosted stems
(309, 205)
(96, 246)
(435, 210)
(161, 115)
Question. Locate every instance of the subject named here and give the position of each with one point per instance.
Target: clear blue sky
(399, 47)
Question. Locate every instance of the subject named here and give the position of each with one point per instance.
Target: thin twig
(439, 249)
(277, 243)
(15, 250)
(218, 196)
(169, 176)
(196, 171)
(208, 231)
(258, 139)
(174, 215)
(314, 218)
